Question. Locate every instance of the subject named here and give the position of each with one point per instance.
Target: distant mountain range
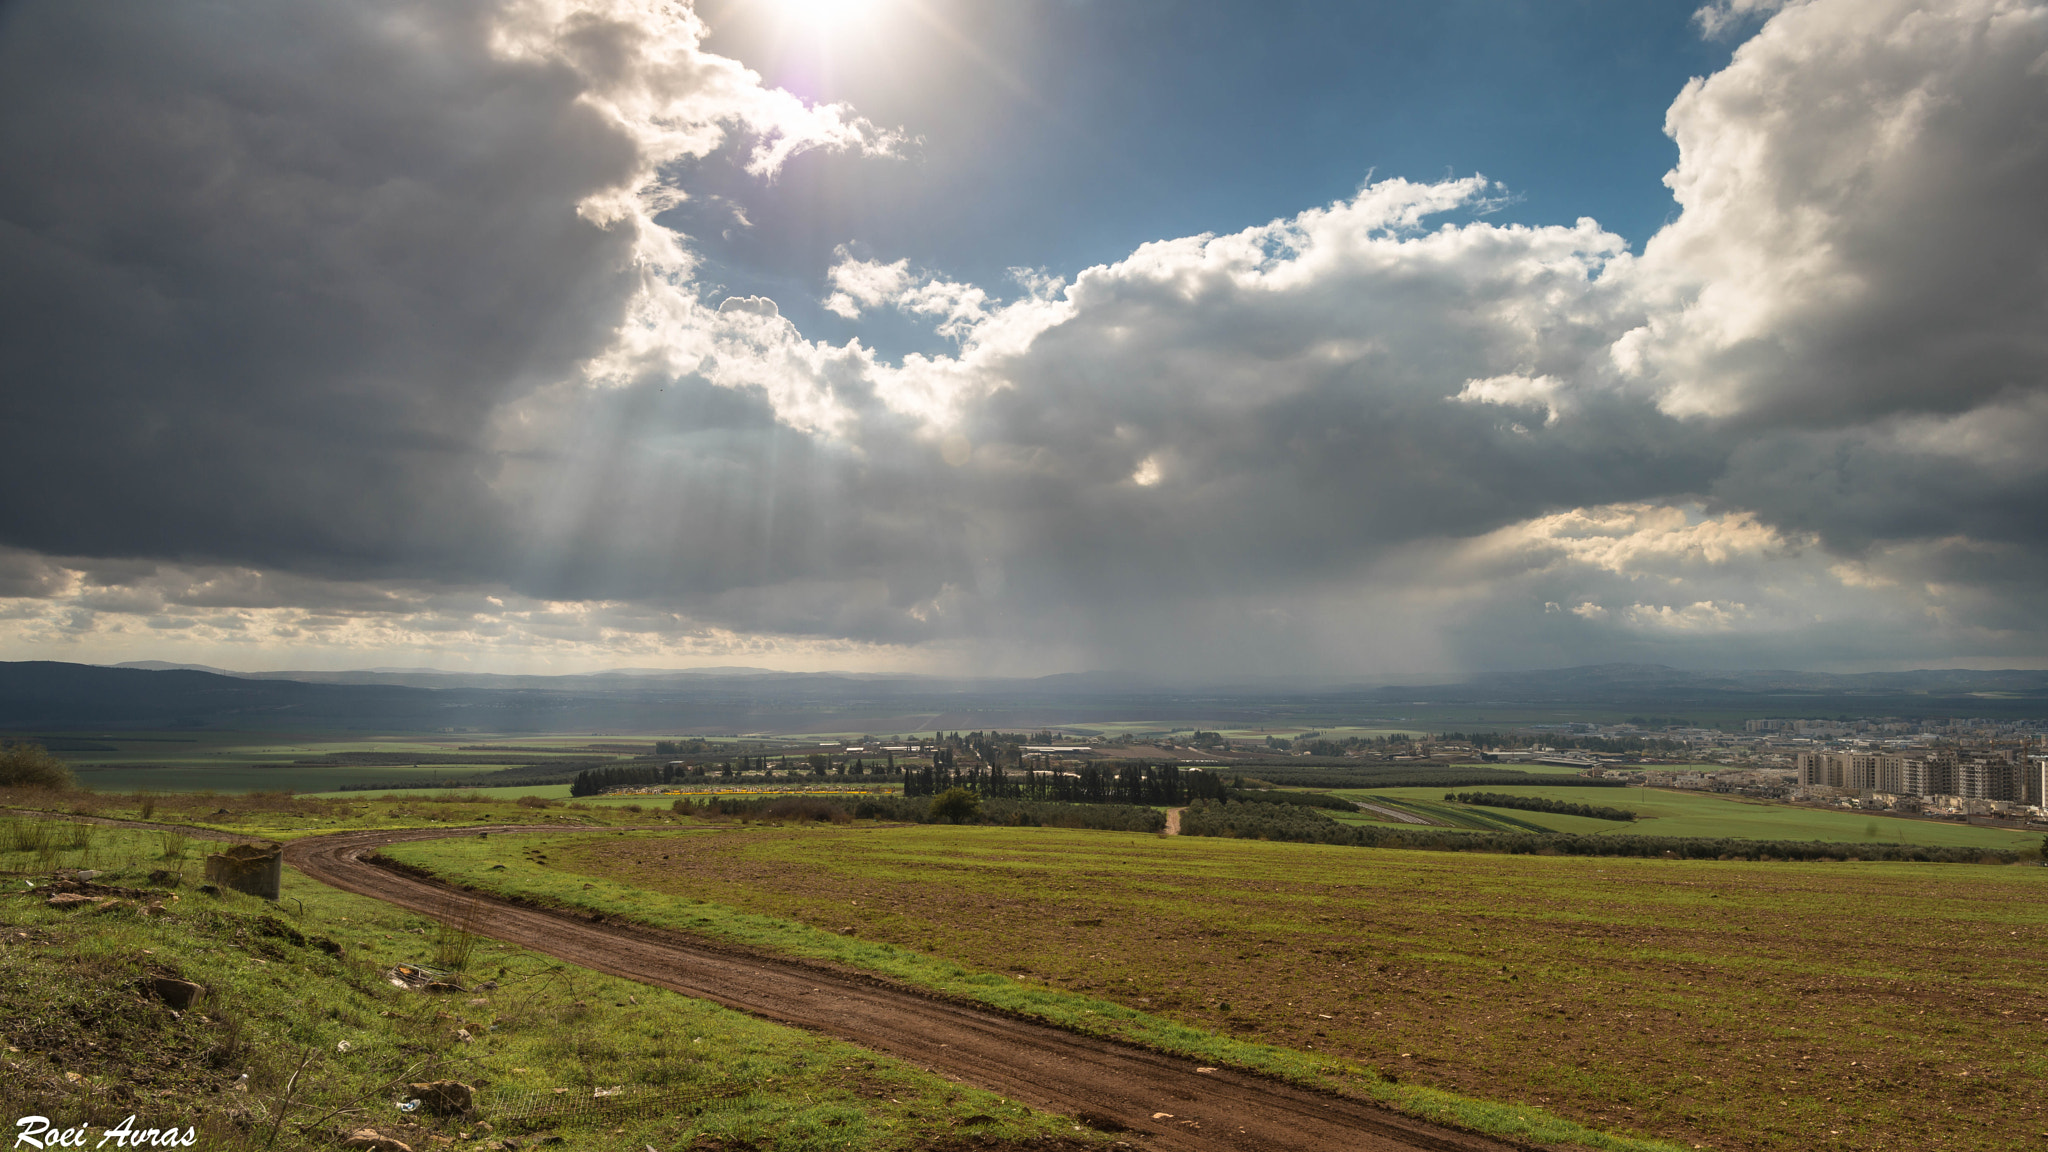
(45, 696)
(435, 678)
(1636, 677)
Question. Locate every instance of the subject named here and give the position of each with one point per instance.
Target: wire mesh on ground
(508, 1106)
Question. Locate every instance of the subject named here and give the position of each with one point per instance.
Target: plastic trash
(409, 1106)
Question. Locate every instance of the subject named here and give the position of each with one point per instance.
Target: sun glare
(826, 15)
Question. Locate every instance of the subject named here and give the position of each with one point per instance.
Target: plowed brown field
(1164, 1102)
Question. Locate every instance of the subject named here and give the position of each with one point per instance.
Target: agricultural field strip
(1045, 1066)
(1398, 815)
(1672, 812)
(1690, 992)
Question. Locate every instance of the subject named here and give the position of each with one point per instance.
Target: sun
(826, 15)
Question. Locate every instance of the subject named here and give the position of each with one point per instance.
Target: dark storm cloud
(265, 272)
(353, 325)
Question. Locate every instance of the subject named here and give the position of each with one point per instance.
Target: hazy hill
(72, 697)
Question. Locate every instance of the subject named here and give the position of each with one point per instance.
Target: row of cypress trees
(1109, 782)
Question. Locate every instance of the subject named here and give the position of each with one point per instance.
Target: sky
(1321, 339)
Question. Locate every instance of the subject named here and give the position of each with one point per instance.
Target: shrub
(29, 766)
(535, 802)
(1303, 799)
(805, 808)
(956, 806)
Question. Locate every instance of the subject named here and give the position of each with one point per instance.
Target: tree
(955, 806)
(29, 766)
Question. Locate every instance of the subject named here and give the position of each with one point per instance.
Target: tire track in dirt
(1163, 1101)
(1395, 814)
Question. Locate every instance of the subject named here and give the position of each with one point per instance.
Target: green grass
(472, 863)
(230, 761)
(1773, 1007)
(546, 791)
(328, 1044)
(284, 817)
(1668, 812)
(222, 776)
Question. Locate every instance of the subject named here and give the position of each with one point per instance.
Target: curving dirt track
(1111, 1086)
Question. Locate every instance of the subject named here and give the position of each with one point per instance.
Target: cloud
(373, 340)
(1855, 240)
(267, 303)
(1724, 17)
(959, 309)
(1515, 392)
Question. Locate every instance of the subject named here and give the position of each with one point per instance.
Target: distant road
(1394, 813)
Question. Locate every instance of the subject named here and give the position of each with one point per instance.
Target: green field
(1532, 769)
(1668, 812)
(1729, 1005)
(229, 762)
(276, 816)
(537, 871)
(327, 1042)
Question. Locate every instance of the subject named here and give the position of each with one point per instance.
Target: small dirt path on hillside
(1173, 821)
(1112, 1086)
(1394, 813)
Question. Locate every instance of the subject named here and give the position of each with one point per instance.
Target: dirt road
(1173, 821)
(1162, 1102)
(1393, 813)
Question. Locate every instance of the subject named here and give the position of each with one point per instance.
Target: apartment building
(1857, 771)
(1971, 773)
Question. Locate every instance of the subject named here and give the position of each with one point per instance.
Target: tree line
(1354, 775)
(1540, 804)
(1139, 782)
(1008, 813)
(817, 765)
(1616, 745)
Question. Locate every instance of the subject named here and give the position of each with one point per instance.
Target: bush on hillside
(29, 766)
(956, 806)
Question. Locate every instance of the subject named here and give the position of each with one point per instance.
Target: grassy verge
(476, 864)
(284, 816)
(300, 1037)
